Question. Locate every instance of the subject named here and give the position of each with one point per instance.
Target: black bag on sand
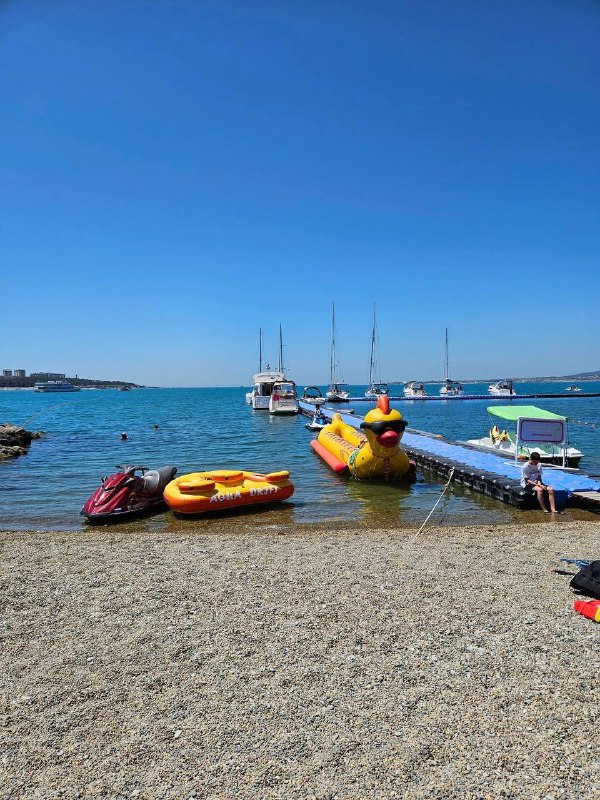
(587, 580)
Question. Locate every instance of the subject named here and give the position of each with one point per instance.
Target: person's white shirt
(531, 472)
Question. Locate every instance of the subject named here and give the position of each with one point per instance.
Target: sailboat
(262, 382)
(449, 388)
(338, 391)
(284, 397)
(376, 387)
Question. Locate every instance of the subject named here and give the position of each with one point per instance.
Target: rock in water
(14, 441)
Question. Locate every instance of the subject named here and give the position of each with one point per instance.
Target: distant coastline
(83, 383)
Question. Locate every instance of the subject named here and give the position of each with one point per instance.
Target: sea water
(203, 429)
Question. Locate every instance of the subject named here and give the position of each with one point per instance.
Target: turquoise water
(200, 429)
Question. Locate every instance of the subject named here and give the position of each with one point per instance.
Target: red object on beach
(127, 494)
(589, 609)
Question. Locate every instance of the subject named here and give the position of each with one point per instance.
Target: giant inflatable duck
(375, 453)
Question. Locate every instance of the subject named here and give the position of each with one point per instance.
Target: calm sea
(200, 429)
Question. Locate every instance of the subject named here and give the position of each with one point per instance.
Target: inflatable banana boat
(375, 453)
(198, 492)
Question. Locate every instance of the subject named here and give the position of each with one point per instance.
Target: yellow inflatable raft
(198, 492)
(376, 453)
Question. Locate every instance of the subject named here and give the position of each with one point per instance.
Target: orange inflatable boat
(198, 492)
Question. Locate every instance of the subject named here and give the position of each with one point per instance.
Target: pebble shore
(282, 662)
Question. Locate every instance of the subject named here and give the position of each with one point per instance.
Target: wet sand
(291, 662)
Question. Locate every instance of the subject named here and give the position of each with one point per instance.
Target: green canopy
(513, 413)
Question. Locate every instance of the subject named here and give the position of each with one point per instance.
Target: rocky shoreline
(15, 441)
(285, 664)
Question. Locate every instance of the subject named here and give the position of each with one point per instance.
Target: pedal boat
(199, 492)
(373, 454)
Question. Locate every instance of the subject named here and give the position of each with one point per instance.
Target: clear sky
(178, 173)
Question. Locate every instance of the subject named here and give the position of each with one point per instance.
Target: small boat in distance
(338, 391)
(376, 387)
(502, 389)
(414, 390)
(449, 388)
(573, 389)
(312, 394)
(55, 386)
(506, 443)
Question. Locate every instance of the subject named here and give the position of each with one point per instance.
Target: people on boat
(531, 481)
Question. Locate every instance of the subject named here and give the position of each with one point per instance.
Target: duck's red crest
(383, 403)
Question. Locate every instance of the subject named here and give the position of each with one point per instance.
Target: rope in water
(48, 408)
(443, 492)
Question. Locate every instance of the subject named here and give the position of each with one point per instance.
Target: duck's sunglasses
(396, 425)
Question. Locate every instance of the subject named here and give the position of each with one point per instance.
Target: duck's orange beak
(388, 439)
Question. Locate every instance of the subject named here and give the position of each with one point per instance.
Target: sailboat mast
(372, 364)
(280, 367)
(446, 358)
(332, 364)
(260, 348)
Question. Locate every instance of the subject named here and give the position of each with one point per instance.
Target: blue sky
(177, 174)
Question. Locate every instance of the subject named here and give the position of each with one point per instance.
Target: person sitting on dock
(531, 481)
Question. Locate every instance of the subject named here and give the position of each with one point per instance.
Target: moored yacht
(263, 381)
(415, 390)
(502, 389)
(284, 398)
(262, 388)
(376, 387)
(312, 394)
(449, 388)
(338, 391)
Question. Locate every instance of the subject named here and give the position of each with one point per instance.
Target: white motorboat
(450, 388)
(263, 385)
(262, 388)
(338, 391)
(376, 387)
(414, 390)
(573, 389)
(284, 397)
(513, 444)
(502, 389)
(312, 394)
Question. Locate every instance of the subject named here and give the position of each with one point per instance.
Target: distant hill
(24, 383)
(579, 376)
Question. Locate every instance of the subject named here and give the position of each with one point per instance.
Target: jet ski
(127, 494)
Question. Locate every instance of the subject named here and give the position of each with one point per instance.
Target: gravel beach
(284, 662)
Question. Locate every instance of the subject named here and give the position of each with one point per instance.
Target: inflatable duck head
(383, 426)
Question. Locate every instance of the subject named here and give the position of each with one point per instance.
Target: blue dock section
(459, 398)
(487, 473)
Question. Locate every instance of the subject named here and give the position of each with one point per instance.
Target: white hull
(283, 407)
(337, 396)
(414, 390)
(547, 456)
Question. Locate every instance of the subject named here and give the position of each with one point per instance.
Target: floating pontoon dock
(492, 397)
(488, 473)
